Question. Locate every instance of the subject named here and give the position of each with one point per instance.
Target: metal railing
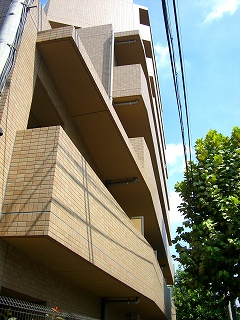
(13, 309)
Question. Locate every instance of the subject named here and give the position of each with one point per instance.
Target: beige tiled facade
(82, 153)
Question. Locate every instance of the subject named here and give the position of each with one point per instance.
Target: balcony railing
(22, 310)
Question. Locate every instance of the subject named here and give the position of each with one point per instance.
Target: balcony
(129, 49)
(132, 103)
(87, 102)
(133, 107)
(103, 133)
(58, 211)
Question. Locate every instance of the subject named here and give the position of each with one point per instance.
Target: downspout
(111, 67)
(10, 36)
(106, 301)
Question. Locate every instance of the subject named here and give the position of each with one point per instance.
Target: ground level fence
(14, 309)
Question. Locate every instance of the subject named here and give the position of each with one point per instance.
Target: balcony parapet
(97, 121)
(58, 211)
(130, 85)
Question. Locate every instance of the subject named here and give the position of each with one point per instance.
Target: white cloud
(175, 200)
(163, 61)
(173, 153)
(162, 56)
(220, 7)
(175, 158)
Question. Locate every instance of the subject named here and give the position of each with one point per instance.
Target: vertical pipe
(10, 35)
(9, 30)
(111, 66)
(103, 309)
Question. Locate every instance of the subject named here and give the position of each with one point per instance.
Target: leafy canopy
(208, 243)
(197, 303)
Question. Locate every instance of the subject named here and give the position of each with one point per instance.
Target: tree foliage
(197, 303)
(208, 243)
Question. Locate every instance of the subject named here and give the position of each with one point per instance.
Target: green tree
(197, 303)
(208, 243)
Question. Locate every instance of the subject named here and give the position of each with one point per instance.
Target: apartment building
(84, 224)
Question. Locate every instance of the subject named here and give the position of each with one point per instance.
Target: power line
(183, 78)
(175, 80)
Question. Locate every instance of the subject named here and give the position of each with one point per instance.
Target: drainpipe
(10, 36)
(111, 67)
(106, 301)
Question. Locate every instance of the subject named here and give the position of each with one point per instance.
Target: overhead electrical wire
(183, 78)
(176, 85)
(174, 73)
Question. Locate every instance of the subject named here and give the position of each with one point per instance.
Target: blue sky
(210, 32)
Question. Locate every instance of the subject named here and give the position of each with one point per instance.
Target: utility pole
(232, 311)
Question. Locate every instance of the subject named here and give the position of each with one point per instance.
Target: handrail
(18, 309)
